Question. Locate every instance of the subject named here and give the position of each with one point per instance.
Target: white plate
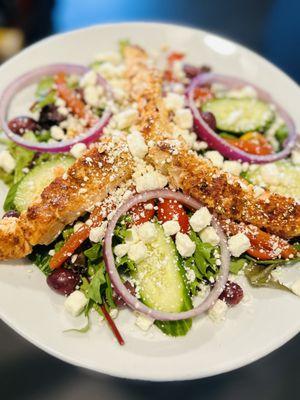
(251, 331)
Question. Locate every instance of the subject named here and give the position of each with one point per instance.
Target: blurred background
(271, 28)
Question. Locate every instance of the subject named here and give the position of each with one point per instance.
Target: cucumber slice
(32, 185)
(281, 177)
(161, 278)
(240, 115)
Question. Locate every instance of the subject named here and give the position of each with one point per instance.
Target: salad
(151, 189)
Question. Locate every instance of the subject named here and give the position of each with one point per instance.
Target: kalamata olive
(50, 116)
(20, 125)
(210, 119)
(63, 280)
(191, 71)
(119, 302)
(80, 264)
(232, 294)
(11, 214)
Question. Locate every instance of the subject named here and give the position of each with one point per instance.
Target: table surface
(267, 26)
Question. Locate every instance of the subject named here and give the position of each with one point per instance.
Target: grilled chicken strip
(221, 192)
(87, 182)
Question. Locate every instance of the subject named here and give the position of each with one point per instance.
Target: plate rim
(225, 367)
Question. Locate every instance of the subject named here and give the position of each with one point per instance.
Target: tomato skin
(140, 214)
(175, 56)
(171, 209)
(252, 143)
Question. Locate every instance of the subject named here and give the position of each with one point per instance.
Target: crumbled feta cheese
(190, 275)
(174, 101)
(137, 252)
(270, 174)
(215, 157)
(171, 227)
(150, 181)
(238, 244)
(185, 246)
(57, 133)
(296, 287)
(137, 145)
(126, 118)
(59, 102)
(63, 111)
(147, 232)
(178, 70)
(120, 250)
(7, 162)
(258, 191)
(109, 56)
(89, 79)
(51, 252)
(77, 226)
(78, 149)
(92, 95)
(183, 118)
(295, 157)
(200, 219)
(233, 167)
(217, 312)
(114, 313)
(143, 321)
(109, 71)
(75, 303)
(209, 235)
(97, 233)
(132, 235)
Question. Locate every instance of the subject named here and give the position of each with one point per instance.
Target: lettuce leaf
(175, 328)
(261, 276)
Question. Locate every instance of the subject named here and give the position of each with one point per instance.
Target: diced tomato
(203, 93)
(253, 143)
(141, 214)
(172, 210)
(175, 56)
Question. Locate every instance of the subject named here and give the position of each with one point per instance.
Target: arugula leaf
(126, 264)
(122, 44)
(10, 198)
(175, 328)
(260, 276)
(278, 261)
(204, 264)
(7, 178)
(109, 293)
(94, 253)
(44, 86)
(281, 134)
(41, 258)
(84, 329)
(236, 264)
(45, 101)
(95, 285)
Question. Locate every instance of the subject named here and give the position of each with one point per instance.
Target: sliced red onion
(32, 77)
(218, 143)
(121, 289)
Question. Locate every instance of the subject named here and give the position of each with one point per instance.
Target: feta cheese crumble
(137, 252)
(147, 232)
(7, 162)
(143, 321)
(150, 181)
(137, 145)
(238, 244)
(120, 250)
(126, 118)
(171, 227)
(97, 233)
(57, 132)
(185, 246)
(215, 157)
(75, 303)
(209, 235)
(218, 311)
(200, 219)
(183, 118)
(174, 101)
(78, 149)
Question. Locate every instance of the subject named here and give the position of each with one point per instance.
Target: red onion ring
(216, 142)
(121, 289)
(31, 77)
